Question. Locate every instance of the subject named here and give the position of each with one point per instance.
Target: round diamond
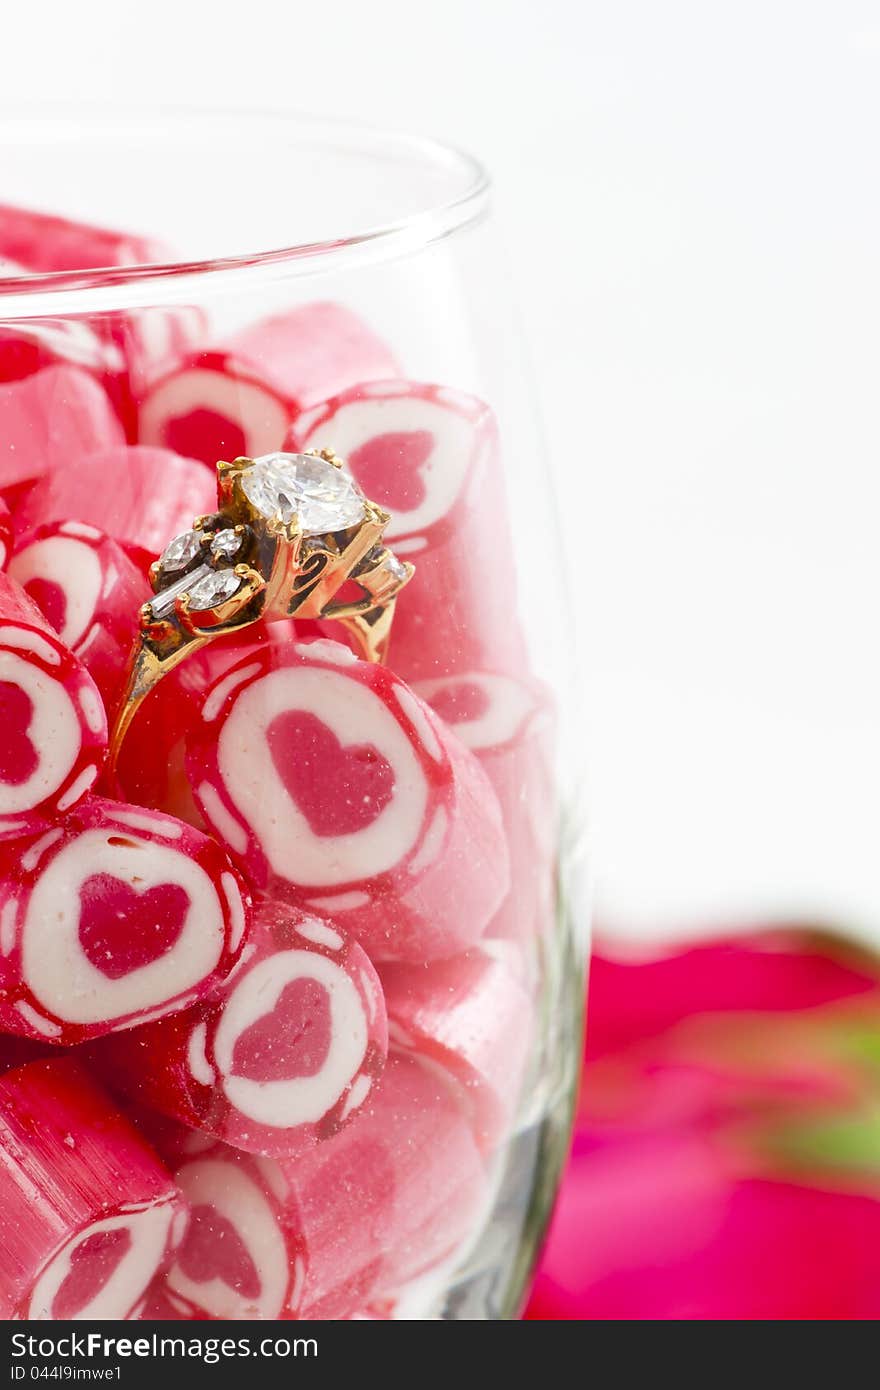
(225, 544)
(320, 497)
(179, 552)
(213, 589)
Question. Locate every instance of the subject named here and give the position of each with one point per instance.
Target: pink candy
(6, 534)
(41, 242)
(110, 917)
(139, 496)
(145, 342)
(50, 421)
(90, 1217)
(151, 764)
(36, 344)
(90, 591)
(238, 400)
(430, 457)
(508, 724)
(325, 1233)
(242, 1252)
(54, 727)
(151, 339)
(31, 346)
(473, 1017)
(280, 1057)
(387, 1198)
(335, 788)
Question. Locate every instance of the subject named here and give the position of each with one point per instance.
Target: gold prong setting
(289, 532)
(231, 604)
(272, 511)
(195, 571)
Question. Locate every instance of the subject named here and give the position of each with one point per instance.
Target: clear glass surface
(281, 269)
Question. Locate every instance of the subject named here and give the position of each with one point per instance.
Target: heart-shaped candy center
(19, 758)
(51, 600)
(121, 930)
(340, 788)
(460, 703)
(292, 1040)
(91, 1265)
(213, 1249)
(389, 467)
(205, 434)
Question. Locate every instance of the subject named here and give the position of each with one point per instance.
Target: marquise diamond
(180, 551)
(302, 487)
(216, 586)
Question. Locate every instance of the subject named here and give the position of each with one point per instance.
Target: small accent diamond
(179, 552)
(216, 586)
(319, 496)
(225, 544)
(163, 602)
(396, 568)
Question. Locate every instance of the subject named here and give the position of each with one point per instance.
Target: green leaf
(845, 1143)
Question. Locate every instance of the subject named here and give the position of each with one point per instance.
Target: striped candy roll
(144, 342)
(40, 241)
(54, 727)
(121, 349)
(141, 497)
(31, 345)
(89, 591)
(472, 1016)
(7, 534)
(335, 788)
(429, 455)
(387, 1198)
(90, 1216)
(241, 1255)
(237, 400)
(318, 1235)
(111, 917)
(52, 420)
(150, 768)
(150, 340)
(509, 725)
(280, 1057)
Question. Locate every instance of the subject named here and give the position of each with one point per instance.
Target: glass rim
(93, 290)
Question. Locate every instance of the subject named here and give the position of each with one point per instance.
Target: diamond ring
(289, 532)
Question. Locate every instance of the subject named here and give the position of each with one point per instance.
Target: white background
(690, 197)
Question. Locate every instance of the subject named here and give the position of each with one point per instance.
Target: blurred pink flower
(726, 1159)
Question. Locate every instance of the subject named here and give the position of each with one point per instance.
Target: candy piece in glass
(112, 916)
(279, 1057)
(334, 787)
(90, 1216)
(54, 725)
(237, 400)
(50, 421)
